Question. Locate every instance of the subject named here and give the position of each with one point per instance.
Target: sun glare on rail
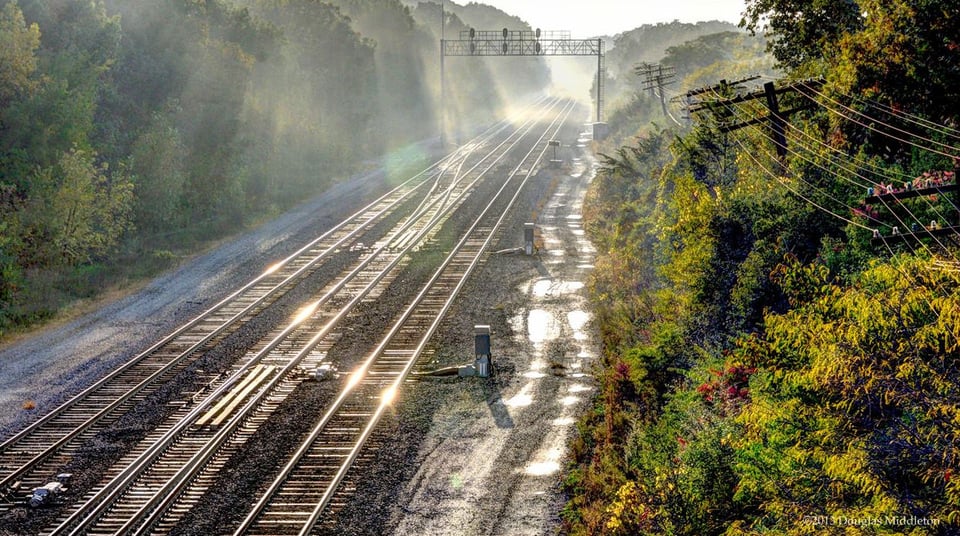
(272, 268)
(355, 378)
(305, 313)
(388, 396)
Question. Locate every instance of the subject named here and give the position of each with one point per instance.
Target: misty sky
(586, 18)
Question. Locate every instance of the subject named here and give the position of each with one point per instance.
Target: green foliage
(158, 175)
(651, 43)
(129, 127)
(856, 407)
(724, 55)
(79, 213)
(801, 31)
(766, 370)
(18, 46)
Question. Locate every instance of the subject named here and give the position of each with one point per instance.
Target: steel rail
(391, 392)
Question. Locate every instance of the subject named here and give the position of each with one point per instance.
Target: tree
(80, 212)
(802, 31)
(855, 404)
(904, 57)
(157, 167)
(18, 61)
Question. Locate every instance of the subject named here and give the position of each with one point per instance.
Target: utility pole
(722, 106)
(777, 122)
(655, 78)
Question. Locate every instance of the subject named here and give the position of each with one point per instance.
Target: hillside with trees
(134, 131)
(780, 328)
(650, 43)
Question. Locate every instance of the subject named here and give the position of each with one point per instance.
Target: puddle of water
(542, 468)
(521, 399)
(586, 248)
(542, 326)
(548, 462)
(536, 369)
(578, 319)
(549, 287)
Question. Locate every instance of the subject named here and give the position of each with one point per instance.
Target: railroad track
(155, 483)
(296, 499)
(136, 489)
(30, 457)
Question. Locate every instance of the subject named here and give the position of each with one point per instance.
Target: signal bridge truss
(526, 43)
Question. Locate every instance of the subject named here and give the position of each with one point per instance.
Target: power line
(907, 116)
(734, 110)
(891, 127)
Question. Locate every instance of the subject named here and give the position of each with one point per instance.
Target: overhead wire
(663, 93)
(912, 118)
(956, 150)
(939, 286)
(938, 214)
(906, 116)
(869, 168)
(737, 112)
(847, 117)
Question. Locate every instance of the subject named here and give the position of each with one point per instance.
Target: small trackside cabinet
(482, 346)
(528, 236)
